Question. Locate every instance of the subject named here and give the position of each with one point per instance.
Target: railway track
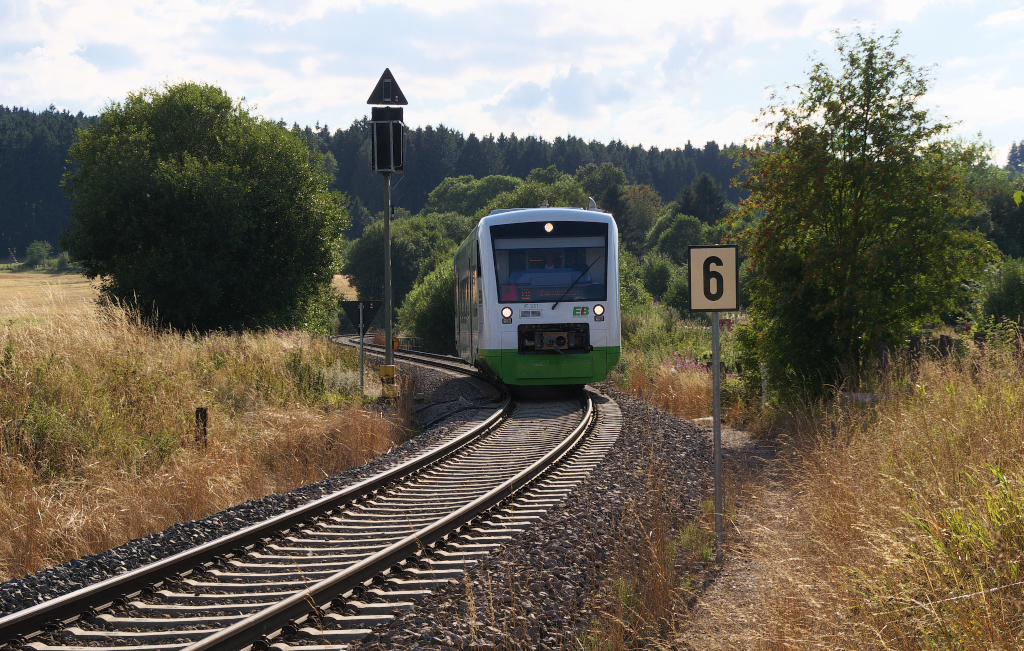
(326, 573)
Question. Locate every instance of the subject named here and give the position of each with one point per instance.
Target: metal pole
(388, 357)
(717, 421)
(362, 329)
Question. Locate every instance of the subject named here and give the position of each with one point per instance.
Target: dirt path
(728, 613)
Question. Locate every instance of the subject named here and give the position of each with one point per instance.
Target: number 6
(708, 275)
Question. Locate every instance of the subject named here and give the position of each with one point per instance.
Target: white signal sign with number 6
(714, 278)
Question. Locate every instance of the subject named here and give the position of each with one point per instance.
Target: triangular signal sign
(387, 91)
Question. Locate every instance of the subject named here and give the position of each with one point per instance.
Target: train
(537, 296)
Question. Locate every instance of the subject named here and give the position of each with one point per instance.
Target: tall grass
(908, 528)
(665, 356)
(97, 442)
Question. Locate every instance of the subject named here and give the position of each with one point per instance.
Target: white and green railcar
(537, 296)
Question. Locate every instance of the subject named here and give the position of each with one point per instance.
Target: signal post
(387, 156)
(714, 287)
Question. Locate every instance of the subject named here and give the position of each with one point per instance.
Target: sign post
(361, 313)
(714, 287)
(387, 156)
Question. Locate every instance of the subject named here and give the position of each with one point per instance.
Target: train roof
(519, 215)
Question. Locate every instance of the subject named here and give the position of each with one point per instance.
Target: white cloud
(1004, 18)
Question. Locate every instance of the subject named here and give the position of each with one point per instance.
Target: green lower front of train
(553, 368)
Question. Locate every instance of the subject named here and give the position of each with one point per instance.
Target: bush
(428, 312)
(37, 253)
(633, 295)
(1006, 291)
(678, 293)
(418, 243)
(207, 216)
(658, 273)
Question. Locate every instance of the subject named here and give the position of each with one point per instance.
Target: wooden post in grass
(714, 288)
(202, 419)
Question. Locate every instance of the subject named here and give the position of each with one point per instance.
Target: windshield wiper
(575, 281)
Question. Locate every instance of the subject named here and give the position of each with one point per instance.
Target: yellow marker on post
(388, 387)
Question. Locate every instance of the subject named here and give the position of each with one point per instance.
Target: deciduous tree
(863, 236)
(190, 207)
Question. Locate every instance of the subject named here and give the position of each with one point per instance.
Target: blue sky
(656, 73)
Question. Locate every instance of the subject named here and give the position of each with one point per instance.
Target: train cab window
(533, 264)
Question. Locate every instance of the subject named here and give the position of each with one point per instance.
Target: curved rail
(302, 601)
(276, 617)
(69, 607)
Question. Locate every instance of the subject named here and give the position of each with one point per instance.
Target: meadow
(96, 404)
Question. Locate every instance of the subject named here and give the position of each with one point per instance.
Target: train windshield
(551, 261)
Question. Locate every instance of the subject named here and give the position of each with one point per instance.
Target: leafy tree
(658, 272)
(466, 195)
(703, 199)
(189, 206)
(563, 191)
(428, 312)
(683, 230)
(1005, 292)
(862, 237)
(417, 242)
(639, 208)
(37, 253)
(596, 179)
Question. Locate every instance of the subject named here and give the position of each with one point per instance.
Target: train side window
(478, 261)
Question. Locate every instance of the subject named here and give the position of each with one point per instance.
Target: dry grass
(908, 516)
(29, 295)
(97, 438)
(682, 390)
(893, 525)
(343, 288)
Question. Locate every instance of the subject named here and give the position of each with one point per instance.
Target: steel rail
(441, 361)
(252, 629)
(71, 606)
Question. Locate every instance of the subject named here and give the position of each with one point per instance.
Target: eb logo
(580, 310)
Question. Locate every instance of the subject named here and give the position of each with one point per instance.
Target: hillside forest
(34, 147)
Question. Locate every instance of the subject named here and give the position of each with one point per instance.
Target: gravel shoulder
(543, 590)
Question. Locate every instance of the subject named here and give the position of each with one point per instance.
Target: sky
(652, 73)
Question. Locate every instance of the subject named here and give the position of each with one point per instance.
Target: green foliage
(417, 244)
(658, 273)
(465, 195)
(596, 179)
(703, 199)
(633, 296)
(548, 185)
(198, 212)
(37, 253)
(33, 152)
(681, 231)
(862, 237)
(677, 296)
(428, 312)
(1005, 291)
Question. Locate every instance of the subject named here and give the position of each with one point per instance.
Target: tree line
(33, 153)
(34, 150)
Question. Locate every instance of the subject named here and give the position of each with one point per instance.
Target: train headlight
(506, 312)
(548, 227)
(599, 310)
